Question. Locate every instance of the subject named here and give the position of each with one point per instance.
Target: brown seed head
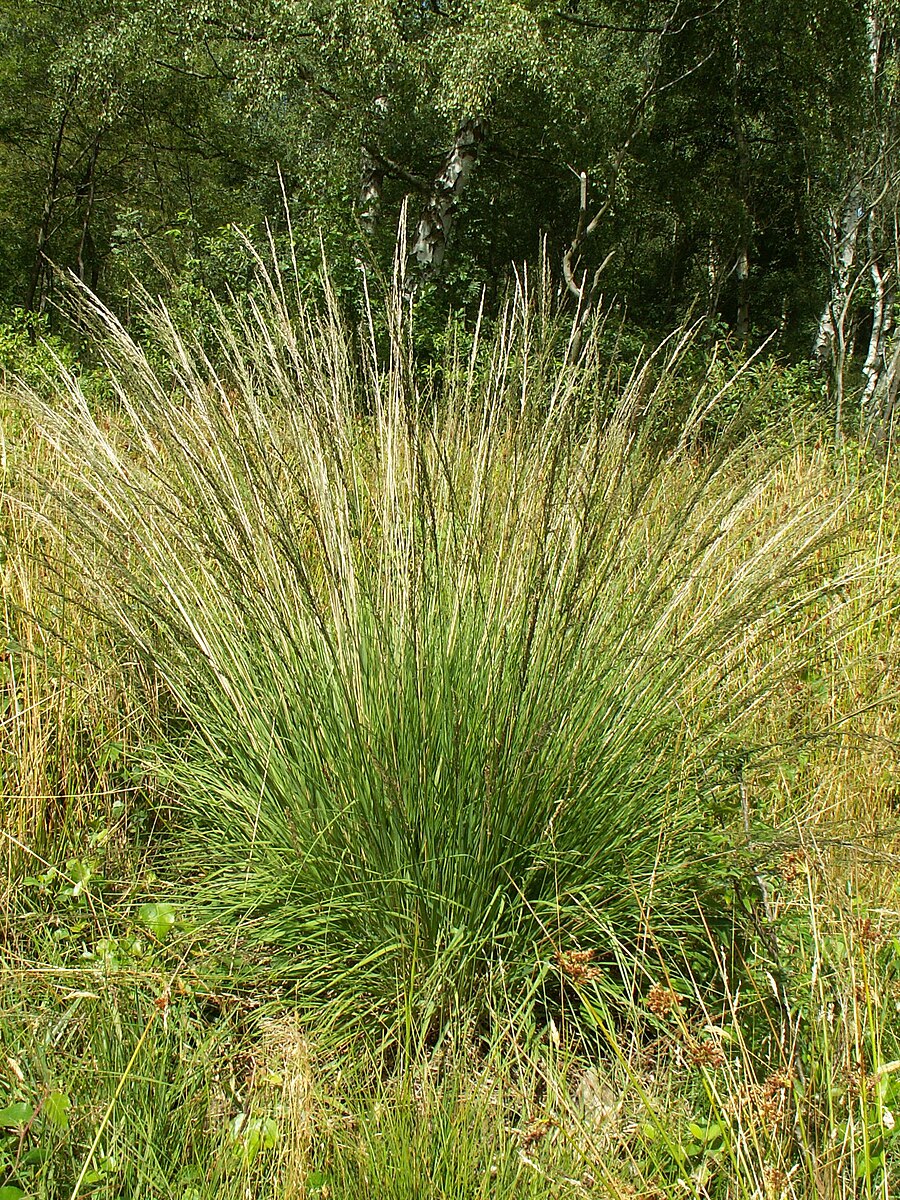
(778, 1082)
(535, 1132)
(776, 1181)
(868, 934)
(793, 865)
(661, 1000)
(576, 964)
(705, 1054)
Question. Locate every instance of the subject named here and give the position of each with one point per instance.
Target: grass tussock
(480, 786)
(457, 681)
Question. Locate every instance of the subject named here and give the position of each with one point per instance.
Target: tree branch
(390, 167)
(663, 30)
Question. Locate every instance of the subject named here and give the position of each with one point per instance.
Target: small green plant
(689, 1158)
(160, 918)
(29, 1132)
(251, 1135)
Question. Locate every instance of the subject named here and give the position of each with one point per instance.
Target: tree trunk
(881, 319)
(742, 262)
(436, 221)
(585, 291)
(34, 296)
(842, 238)
(86, 194)
(370, 188)
(742, 270)
(869, 187)
(833, 342)
(883, 405)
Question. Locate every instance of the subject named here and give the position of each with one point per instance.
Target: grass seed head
(576, 965)
(661, 1001)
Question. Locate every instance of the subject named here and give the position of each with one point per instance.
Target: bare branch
(390, 167)
(662, 30)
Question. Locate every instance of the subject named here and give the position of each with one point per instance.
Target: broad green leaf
(158, 918)
(268, 1132)
(56, 1109)
(254, 1134)
(78, 871)
(16, 1115)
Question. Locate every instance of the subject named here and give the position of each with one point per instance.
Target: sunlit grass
(457, 676)
(524, 775)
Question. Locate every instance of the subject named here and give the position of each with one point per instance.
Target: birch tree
(860, 239)
(660, 150)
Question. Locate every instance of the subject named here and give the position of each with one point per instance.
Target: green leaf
(100, 1171)
(109, 756)
(11, 1193)
(56, 1109)
(78, 871)
(158, 918)
(268, 1133)
(868, 1164)
(254, 1134)
(16, 1115)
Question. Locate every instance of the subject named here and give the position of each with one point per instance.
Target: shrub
(28, 350)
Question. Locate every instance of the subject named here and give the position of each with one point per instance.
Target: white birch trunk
(370, 187)
(875, 362)
(436, 221)
(843, 239)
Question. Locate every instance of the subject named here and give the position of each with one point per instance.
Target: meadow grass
(503, 783)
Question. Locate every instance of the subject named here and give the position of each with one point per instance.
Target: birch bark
(436, 220)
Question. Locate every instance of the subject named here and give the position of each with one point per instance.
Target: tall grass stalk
(459, 675)
(65, 710)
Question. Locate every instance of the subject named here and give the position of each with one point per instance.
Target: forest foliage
(735, 160)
